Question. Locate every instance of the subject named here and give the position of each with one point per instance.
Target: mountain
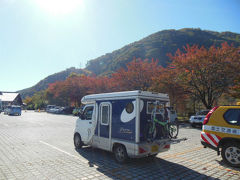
(154, 46)
(157, 46)
(43, 84)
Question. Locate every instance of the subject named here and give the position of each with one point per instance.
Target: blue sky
(42, 37)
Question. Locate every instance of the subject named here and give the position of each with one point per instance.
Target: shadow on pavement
(227, 166)
(143, 168)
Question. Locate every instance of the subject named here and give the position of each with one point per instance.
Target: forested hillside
(157, 46)
(43, 84)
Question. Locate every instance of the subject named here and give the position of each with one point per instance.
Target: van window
(232, 116)
(129, 108)
(105, 114)
(151, 106)
(88, 111)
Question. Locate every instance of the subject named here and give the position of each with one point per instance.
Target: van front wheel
(120, 154)
(77, 141)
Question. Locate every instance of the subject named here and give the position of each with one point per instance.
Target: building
(10, 98)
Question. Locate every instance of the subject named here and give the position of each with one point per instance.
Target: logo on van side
(125, 131)
(126, 117)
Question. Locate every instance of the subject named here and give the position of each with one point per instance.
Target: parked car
(49, 107)
(198, 118)
(67, 110)
(221, 132)
(7, 109)
(55, 110)
(15, 110)
(59, 110)
(122, 123)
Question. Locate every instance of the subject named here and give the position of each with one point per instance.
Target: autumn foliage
(70, 91)
(138, 75)
(167, 82)
(204, 73)
(197, 72)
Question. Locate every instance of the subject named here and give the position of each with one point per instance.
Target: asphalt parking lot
(40, 146)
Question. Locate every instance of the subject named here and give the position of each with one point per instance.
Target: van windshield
(87, 113)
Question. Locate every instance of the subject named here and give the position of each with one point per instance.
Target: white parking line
(56, 148)
(38, 123)
(6, 125)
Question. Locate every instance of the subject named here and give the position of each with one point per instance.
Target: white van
(121, 122)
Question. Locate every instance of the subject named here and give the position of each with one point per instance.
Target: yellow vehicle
(221, 132)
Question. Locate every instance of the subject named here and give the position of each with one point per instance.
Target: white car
(198, 118)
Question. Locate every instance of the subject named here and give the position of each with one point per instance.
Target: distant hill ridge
(43, 84)
(155, 46)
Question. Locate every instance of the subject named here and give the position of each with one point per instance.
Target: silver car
(198, 118)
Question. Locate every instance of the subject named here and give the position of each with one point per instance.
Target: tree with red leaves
(206, 73)
(235, 89)
(166, 82)
(138, 75)
(71, 91)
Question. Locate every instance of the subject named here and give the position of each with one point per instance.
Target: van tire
(77, 141)
(231, 154)
(120, 153)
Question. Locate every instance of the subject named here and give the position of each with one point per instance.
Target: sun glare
(58, 7)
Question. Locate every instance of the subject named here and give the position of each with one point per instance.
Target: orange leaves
(235, 89)
(202, 73)
(167, 82)
(138, 75)
(71, 90)
(207, 73)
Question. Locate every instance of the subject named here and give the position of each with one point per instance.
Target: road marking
(6, 125)
(60, 150)
(113, 171)
(38, 123)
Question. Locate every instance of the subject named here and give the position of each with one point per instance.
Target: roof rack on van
(124, 94)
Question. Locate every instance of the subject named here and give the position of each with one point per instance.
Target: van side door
(104, 125)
